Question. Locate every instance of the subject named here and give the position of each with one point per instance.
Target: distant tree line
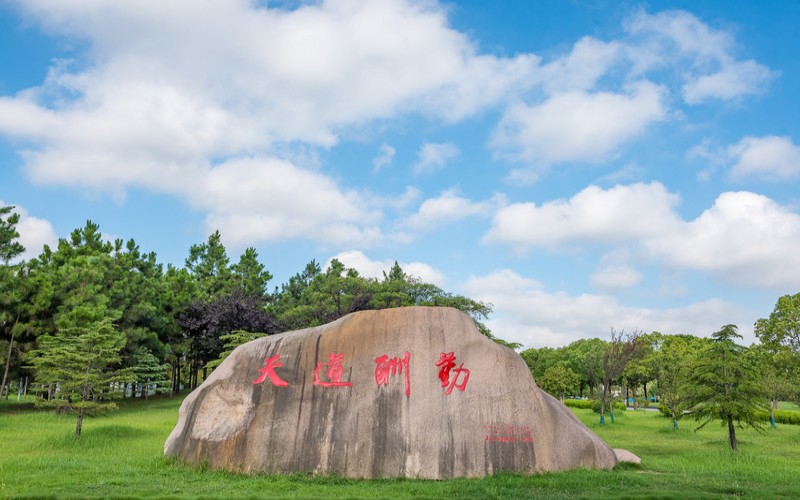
(705, 378)
(91, 321)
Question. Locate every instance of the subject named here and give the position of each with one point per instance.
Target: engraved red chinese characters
(386, 366)
(334, 372)
(270, 364)
(447, 363)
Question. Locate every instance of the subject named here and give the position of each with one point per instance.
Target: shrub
(781, 417)
(789, 417)
(592, 404)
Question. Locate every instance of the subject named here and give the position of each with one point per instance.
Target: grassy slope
(121, 456)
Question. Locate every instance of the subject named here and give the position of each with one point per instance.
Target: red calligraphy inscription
(386, 366)
(270, 364)
(334, 372)
(447, 364)
(508, 434)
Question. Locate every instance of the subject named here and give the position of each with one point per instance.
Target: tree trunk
(79, 425)
(178, 383)
(635, 403)
(772, 408)
(731, 432)
(8, 363)
(674, 420)
(645, 392)
(603, 407)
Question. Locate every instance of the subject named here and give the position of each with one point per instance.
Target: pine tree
(78, 363)
(150, 373)
(724, 384)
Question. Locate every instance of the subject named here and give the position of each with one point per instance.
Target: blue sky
(580, 165)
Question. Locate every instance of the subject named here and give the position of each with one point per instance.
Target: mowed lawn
(120, 455)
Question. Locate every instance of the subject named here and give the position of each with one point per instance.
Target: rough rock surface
(407, 392)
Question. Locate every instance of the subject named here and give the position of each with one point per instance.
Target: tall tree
(559, 380)
(723, 383)
(250, 275)
(205, 323)
(671, 363)
(10, 276)
(782, 328)
(585, 357)
(777, 372)
(618, 353)
(10, 248)
(149, 373)
(78, 361)
(208, 263)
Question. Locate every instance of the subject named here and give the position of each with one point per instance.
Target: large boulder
(407, 392)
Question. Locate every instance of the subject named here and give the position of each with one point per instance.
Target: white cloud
(450, 207)
(173, 83)
(434, 156)
(703, 55)
(618, 214)
(171, 98)
(385, 156)
(615, 277)
(744, 239)
(589, 60)
(578, 125)
(34, 233)
(266, 199)
(771, 158)
(526, 313)
(733, 80)
(375, 268)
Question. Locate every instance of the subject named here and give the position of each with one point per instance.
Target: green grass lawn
(120, 455)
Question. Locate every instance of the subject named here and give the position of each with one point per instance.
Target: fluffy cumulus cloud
(771, 158)
(704, 56)
(34, 233)
(604, 94)
(594, 215)
(257, 199)
(175, 97)
(376, 268)
(579, 126)
(745, 238)
(449, 207)
(527, 313)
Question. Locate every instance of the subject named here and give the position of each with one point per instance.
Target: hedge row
(789, 417)
(591, 404)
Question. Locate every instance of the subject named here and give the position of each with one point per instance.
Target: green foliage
(790, 417)
(208, 264)
(591, 404)
(10, 248)
(783, 325)
(251, 276)
(231, 341)
(150, 374)
(559, 380)
(77, 364)
(313, 298)
(723, 384)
